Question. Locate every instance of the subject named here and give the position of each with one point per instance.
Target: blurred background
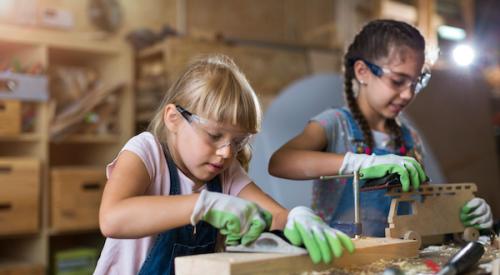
(79, 78)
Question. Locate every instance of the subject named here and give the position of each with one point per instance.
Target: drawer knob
(5, 169)
(5, 206)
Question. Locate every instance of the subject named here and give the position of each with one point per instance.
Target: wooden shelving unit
(34, 252)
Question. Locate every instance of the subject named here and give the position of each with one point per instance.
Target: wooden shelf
(54, 232)
(112, 62)
(28, 137)
(88, 139)
(88, 42)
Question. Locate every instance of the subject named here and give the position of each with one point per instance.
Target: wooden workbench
(368, 250)
(366, 260)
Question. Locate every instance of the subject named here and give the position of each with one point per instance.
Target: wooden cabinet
(51, 172)
(75, 196)
(19, 195)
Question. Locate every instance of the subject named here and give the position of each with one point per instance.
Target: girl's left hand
(238, 219)
(320, 240)
(476, 213)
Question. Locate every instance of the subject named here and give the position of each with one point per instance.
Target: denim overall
(374, 205)
(181, 241)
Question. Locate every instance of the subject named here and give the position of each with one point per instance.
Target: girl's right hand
(372, 167)
(236, 218)
(321, 241)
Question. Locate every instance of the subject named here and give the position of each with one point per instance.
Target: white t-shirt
(125, 256)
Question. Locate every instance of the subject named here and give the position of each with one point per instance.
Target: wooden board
(367, 251)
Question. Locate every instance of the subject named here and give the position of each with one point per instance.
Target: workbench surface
(420, 265)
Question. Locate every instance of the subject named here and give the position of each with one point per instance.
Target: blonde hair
(213, 87)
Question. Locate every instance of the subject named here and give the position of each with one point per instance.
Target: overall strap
(356, 137)
(356, 132)
(407, 138)
(175, 188)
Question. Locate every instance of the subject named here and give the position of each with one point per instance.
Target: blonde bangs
(227, 97)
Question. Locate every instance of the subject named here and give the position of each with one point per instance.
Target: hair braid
(353, 105)
(375, 41)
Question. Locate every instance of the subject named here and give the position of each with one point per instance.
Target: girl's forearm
(304, 164)
(146, 215)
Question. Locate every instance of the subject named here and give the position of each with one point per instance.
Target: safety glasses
(397, 81)
(213, 135)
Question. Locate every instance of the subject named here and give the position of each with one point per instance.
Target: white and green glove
(372, 166)
(476, 213)
(320, 240)
(236, 218)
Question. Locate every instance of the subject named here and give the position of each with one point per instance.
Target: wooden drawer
(21, 268)
(76, 195)
(10, 117)
(19, 195)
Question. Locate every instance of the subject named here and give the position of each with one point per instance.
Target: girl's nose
(407, 93)
(225, 151)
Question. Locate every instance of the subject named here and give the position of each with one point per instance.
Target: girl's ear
(171, 118)
(361, 72)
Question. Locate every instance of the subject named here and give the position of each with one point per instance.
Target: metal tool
(268, 243)
(465, 258)
(355, 188)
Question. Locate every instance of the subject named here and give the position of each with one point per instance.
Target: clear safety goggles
(213, 135)
(399, 82)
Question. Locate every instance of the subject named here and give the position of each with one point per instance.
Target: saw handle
(385, 182)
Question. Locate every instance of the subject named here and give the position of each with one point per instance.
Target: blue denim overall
(181, 241)
(374, 205)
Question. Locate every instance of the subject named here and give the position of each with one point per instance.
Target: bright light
(463, 55)
(451, 33)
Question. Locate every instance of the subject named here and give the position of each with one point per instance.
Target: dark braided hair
(375, 41)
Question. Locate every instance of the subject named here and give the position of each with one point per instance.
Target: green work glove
(238, 219)
(320, 240)
(371, 167)
(476, 213)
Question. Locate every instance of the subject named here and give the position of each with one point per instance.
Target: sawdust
(413, 266)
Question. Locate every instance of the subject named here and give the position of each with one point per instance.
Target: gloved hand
(236, 218)
(372, 166)
(476, 213)
(320, 240)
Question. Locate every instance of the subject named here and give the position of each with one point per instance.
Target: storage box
(10, 117)
(76, 261)
(23, 87)
(19, 195)
(76, 196)
(20, 268)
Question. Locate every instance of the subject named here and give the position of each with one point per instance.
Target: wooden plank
(367, 251)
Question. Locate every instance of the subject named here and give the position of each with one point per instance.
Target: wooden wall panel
(278, 21)
(269, 70)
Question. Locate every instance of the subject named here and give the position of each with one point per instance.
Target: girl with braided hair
(383, 72)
